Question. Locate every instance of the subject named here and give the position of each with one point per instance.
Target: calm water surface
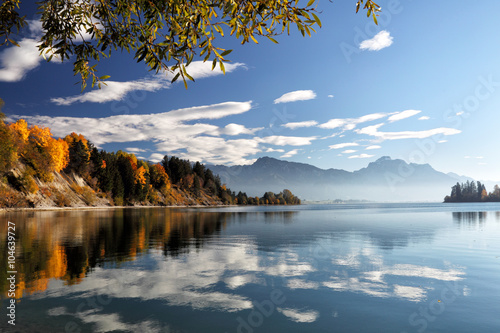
(333, 268)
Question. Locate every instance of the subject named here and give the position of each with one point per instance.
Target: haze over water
(332, 268)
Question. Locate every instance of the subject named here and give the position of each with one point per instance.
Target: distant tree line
(472, 191)
(120, 176)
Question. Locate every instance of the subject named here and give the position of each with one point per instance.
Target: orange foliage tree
(39, 149)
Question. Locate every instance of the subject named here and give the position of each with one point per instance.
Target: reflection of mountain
(383, 180)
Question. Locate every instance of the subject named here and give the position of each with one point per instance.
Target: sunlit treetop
(166, 35)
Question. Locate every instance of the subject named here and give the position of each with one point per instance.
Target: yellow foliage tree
(20, 127)
(42, 152)
(59, 152)
(140, 176)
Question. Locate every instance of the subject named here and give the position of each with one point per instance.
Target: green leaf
(175, 77)
(13, 42)
(309, 4)
(104, 77)
(143, 55)
(222, 68)
(225, 53)
(273, 40)
(316, 18)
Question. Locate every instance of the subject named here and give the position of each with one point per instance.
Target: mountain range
(386, 179)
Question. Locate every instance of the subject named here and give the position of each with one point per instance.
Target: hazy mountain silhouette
(385, 179)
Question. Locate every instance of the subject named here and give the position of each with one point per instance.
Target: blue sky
(423, 86)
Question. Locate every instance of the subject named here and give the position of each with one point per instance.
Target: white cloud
(380, 41)
(209, 149)
(113, 91)
(299, 316)
(272, 150)
(156, 157)
(116, 91)
(373, 131)
(361, 156)
(236, 129)
(290, 153)
(442, 141)
(294, 96)
(300, 124)
(403, 115)
(424, 118)
(330, 96)
(15, 61)
(349, 151)
(373, 147)
(287, 140)
(135, 150)
(343, 145)
(350, 123)
(333, 123)
(35, 27)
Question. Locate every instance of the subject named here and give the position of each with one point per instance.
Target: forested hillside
(38, 170)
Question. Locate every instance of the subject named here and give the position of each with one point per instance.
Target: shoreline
(24, 209)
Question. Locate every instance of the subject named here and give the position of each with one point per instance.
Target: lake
(310, 268)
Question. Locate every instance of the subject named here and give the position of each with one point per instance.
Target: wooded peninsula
(38, 170)
(472, 191)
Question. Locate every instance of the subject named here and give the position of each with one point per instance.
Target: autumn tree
(39, 149)
(79, 153)
(165, 35)
(21, 133)
(158, 177)
(8, 148)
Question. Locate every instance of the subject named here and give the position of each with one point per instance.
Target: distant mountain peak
(385, 179)
(266, 160)
(384, 158)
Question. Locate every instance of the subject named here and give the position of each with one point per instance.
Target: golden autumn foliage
(44, 153)
(20, 127)
(74, 138)
(36, 146)
(59, 151)
(140, 175)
